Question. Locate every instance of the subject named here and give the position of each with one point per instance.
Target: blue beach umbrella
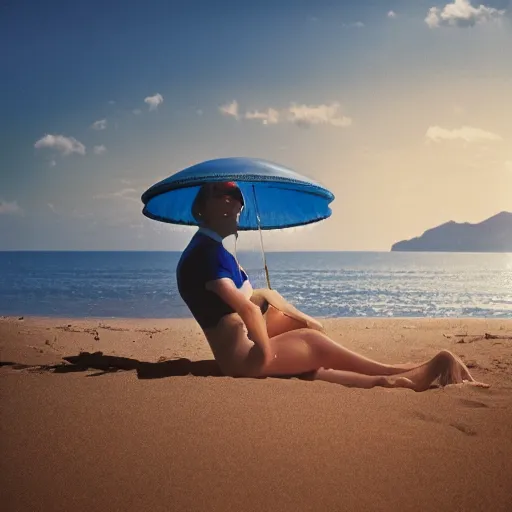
(275, 197)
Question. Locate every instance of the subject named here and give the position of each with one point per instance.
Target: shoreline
(190, 318)
(329, 322)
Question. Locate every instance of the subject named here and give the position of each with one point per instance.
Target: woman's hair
(215, 189)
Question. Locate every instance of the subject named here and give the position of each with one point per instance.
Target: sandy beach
(124, 414)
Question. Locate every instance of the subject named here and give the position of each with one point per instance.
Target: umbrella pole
(261, 238)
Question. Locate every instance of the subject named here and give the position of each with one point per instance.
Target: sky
(401, 108)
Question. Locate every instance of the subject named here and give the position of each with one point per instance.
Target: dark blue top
(203, 260)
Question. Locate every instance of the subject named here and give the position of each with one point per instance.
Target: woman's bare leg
(279, 323)
(356, 380)
(300, 358)
(283, 317)
(337, 357)
(444, 367)
(305, 350)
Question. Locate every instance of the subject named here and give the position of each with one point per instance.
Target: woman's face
(221, 209)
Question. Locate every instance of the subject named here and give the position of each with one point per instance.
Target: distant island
(491, 235)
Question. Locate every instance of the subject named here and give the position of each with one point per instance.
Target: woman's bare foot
(442, 366)
(465, 372)
(466, 377)
(455, 371)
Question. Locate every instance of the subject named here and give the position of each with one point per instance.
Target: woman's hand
(278, 302)
(315, 324)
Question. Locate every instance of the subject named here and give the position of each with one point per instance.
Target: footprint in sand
(472, 403)
(465, 429)
(422, 416)
(461, 427)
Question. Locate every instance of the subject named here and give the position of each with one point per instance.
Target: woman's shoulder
(201, 255)
(201, 246)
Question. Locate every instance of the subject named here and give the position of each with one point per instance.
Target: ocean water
(322, 284)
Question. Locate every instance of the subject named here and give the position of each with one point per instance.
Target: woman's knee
(309, 334)
(315, 339)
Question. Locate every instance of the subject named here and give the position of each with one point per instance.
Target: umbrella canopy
(275, 197)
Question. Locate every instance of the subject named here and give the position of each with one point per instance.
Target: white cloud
(111, 102)
(99, 150)
(299, 114)
(99, 125)
(465, 133)
(52, 163)
(137, 111)
(11, 208)
(271, 116)
(65, 145)
(307, 115)
(52, 207)
(432, 18)
(199, 112)
(356, 24)
(391, 14)
(230, 109)
(460, 13)
(154, 101)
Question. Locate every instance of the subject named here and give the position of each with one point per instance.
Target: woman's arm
(249, 312)
(280, 303)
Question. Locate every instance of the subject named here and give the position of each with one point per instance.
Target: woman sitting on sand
(257, 333)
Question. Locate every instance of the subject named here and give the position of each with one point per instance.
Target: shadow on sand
(87, 361)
